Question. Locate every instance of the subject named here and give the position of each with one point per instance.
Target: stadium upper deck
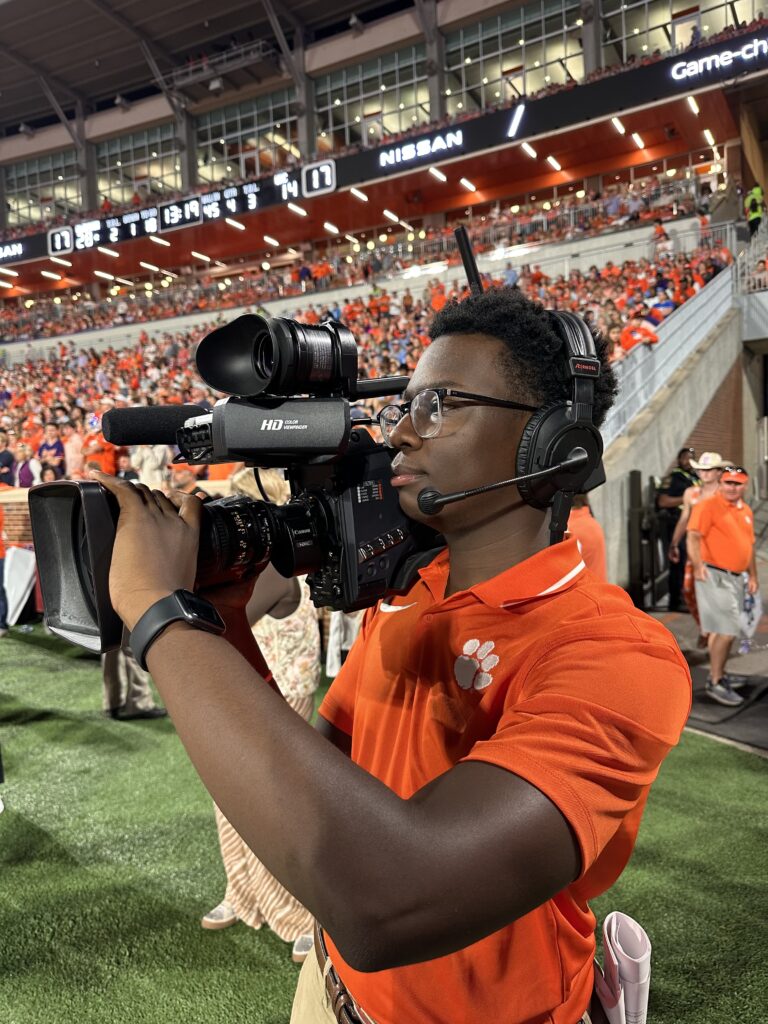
(676, 106)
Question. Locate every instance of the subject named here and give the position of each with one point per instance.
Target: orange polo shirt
(589, 533)
(550, 674)
(727, 532)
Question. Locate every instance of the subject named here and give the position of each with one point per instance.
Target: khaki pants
(311, 1004)
(125, 683)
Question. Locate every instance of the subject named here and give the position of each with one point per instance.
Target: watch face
(198, 607)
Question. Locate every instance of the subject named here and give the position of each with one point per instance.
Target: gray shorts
(720, 600)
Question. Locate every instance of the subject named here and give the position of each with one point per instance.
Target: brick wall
(720, 428)
(17, 526)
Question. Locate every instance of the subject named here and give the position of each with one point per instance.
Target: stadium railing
(647, 369)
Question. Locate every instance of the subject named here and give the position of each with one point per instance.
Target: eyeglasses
(735, 469)
(426, 411)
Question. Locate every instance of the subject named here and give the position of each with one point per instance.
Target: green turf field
(109, 856)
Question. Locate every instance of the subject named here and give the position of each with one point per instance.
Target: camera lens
(264, 355)
(257, 355)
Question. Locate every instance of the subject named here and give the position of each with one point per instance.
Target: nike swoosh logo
(384, 607)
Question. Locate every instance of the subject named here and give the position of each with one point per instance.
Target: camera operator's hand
(155, 548)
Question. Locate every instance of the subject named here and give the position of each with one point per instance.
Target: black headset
(557, 430)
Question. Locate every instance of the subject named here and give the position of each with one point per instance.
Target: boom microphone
(431, 501)
(142, 424)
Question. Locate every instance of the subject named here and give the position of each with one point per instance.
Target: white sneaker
(302, 947)
(222, 916)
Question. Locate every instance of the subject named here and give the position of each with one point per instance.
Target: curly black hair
(534, 362)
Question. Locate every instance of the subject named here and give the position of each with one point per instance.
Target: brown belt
(342, 1003)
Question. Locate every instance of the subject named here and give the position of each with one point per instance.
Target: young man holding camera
(493, 734)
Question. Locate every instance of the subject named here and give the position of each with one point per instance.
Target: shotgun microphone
(431, 501)
(147, 424)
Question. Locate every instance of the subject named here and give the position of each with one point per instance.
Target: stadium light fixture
(200, 256)
(616, 122)
(10, 273)
(529, 150)
(107, 252)
(691, 100)
(436, 173)
(297, 209)
(60, 261)
(553, 163)
(406, 225)
(330, 228)
(638, 140)
(467, 185)
(218, 263)
(159, 241)
(234, 224)
(271, 241)
(170, 273)
(351, 238)
(391, 216)
(292, 251)
(8, 284)
(103, 274)
(124, 280)
(709, 137)
(151, 266)
(359, 195)
(52, 276)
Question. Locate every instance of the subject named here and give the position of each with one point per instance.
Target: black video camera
(343, 526)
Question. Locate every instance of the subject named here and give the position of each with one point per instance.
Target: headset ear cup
(526, 453)
(548, 439)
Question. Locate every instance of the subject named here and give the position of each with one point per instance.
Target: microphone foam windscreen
(142, 424)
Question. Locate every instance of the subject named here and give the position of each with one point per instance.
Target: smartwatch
(180, 606)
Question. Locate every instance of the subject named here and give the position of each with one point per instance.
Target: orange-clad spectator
(721, 548)
(637, 332)
(437, 298)
(224, 470)
(589, 533)
(96, 449)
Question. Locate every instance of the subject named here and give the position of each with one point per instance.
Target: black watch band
(180, 606)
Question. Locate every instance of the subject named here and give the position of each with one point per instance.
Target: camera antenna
(468, 259)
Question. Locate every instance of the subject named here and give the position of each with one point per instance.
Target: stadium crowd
(566, 219)
(51, 408)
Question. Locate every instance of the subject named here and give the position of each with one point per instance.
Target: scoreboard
(110, 231)
(231, 201)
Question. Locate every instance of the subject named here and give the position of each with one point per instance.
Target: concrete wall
(755, 311)
(655, 435)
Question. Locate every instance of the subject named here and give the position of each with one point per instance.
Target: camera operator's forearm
(275, 777)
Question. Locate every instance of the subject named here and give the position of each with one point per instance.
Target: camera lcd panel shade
(73, 528)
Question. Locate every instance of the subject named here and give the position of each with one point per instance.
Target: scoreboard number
(319, 178)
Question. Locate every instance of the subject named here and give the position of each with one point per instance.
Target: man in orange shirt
(486, 752)
(721, 548)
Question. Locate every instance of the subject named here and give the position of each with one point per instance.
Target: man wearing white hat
(708, 468)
